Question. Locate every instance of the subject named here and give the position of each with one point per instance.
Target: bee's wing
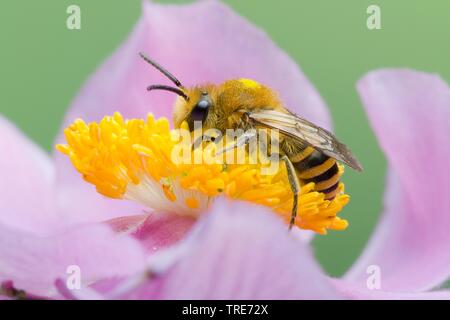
(305, 131)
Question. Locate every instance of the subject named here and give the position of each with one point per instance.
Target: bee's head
(196, 109)
(192, 105)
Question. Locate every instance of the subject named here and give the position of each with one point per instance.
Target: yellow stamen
(168, 189)
(132, 159)
(192, 203)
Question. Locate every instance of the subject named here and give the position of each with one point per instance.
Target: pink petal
(200, 42)
(219, 46)
(79, 294)
(410, 114)
(155, 230)
(162, 230)
(238, 251)
(35, 263)
(350, 291)
(26, 183)
(127, 224)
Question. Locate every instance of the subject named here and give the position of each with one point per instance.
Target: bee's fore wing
(305, 131)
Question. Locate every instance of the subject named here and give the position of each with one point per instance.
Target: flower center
(132, 159)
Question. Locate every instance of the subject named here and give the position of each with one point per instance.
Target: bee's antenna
(162, 70)
(168, 88)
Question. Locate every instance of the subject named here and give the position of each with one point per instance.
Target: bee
(309, 151)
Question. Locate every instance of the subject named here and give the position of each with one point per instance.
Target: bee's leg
(295, 186)
(239, 142)
(205, 138)
(197, 143)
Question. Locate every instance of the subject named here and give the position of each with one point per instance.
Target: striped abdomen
(315, 166)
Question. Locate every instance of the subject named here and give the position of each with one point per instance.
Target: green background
(43, 64)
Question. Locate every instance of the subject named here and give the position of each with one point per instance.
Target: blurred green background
(43, 64)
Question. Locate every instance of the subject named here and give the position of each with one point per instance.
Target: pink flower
(51, 220)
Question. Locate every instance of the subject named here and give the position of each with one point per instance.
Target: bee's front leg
(295, 187)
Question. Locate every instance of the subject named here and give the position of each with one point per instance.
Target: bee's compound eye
(200, 110)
